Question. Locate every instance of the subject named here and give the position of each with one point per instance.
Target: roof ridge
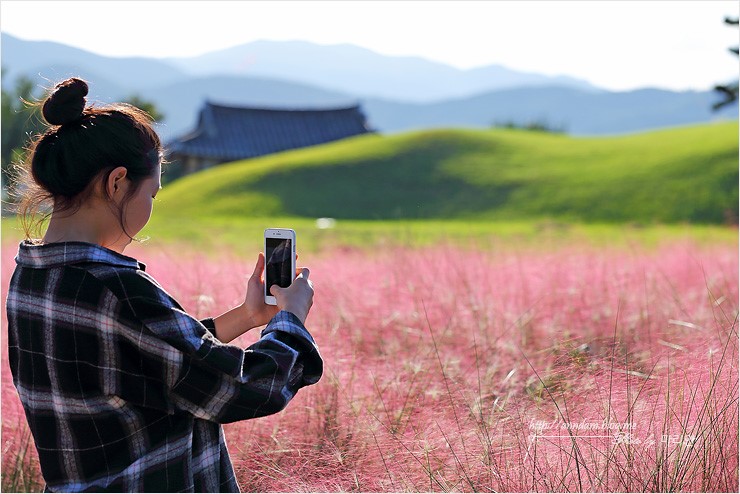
(352, 106)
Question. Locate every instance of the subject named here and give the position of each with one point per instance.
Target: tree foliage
(147, 106)
(727, 91)
(536, 125)
(21, 120)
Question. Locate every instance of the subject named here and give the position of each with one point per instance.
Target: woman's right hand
(298, 297)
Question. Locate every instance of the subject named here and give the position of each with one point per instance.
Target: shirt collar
(66, 253)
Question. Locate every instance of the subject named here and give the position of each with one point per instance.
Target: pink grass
(577, 369)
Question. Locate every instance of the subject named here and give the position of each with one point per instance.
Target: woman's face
(139, 208)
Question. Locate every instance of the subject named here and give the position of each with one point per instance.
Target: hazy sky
(618, 45)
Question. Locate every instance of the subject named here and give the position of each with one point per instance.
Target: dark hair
(81, 145)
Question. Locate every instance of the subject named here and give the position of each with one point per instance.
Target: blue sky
(618, 45)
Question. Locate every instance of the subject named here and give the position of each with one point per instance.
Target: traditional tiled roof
(229, 133)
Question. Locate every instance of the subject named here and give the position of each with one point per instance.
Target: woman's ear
(116, 182)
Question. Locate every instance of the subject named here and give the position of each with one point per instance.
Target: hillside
(680, 175)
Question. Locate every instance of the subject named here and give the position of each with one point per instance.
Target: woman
(122, 389)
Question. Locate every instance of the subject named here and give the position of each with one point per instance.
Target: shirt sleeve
(225, 383)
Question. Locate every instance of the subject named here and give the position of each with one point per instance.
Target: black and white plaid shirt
(123, 390)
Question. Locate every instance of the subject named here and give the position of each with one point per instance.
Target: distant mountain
(578, 109)
(56, 61)
(352, 69)
(102, 88)
(576, 112)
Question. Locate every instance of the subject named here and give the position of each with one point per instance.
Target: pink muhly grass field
(448, 369)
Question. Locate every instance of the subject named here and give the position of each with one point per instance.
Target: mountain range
(362, 72)
(396, 93)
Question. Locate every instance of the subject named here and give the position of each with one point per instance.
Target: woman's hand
(298, 297)
(254, 312)
(259, 312)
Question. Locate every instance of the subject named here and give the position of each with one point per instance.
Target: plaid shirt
(123, 390)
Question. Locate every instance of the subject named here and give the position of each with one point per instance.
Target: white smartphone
(279, 260)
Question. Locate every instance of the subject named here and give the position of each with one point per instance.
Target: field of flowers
(505, 368)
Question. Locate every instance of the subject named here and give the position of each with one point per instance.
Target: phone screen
(278, 262)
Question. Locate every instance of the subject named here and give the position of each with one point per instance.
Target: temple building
(230, 133)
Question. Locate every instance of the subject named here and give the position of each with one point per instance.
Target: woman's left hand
(259, 312)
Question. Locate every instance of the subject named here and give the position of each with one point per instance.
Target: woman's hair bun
(66, 102)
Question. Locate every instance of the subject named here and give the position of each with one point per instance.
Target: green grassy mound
(685, 174)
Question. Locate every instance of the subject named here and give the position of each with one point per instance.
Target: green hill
(679, 175)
